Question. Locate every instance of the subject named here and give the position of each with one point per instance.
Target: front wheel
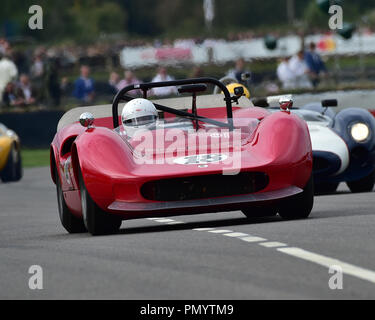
(365, 184)
(300, 205)
(97, 221)
(70, 222)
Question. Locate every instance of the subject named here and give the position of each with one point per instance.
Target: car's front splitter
(131, 210)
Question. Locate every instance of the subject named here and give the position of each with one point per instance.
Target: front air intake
(203, 187)
(325, 163)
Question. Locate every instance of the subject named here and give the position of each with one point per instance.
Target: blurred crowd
(26, 80)
(84, 87)
(33, 77)
(302, 71)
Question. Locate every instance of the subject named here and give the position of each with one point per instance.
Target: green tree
(91, 18)
(142, 17)
(85, 20)
(315, 17)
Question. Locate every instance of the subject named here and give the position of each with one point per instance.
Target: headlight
(360, 132)
(10, 133)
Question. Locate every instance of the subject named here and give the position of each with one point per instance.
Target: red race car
(163, 158)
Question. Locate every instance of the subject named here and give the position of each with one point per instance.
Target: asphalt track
(213, 256)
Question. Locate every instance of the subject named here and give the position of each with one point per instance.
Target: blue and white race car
(343, 145)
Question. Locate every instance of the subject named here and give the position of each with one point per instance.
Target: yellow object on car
(231, 87)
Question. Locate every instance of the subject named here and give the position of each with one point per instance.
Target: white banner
(220, 51)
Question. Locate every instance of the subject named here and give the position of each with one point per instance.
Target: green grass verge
(32, 158)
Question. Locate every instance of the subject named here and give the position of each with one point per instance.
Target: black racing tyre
(259, 212)
(300, 205)
(365, 184)
(325, 188)
(19, 170)
(12, 171)
(70, 222)
(97, 221)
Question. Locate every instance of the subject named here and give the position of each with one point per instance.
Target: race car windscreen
(313, 116)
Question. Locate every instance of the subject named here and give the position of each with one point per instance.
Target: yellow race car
(10, 155)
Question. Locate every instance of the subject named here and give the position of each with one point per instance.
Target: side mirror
(286, 103)
(192, 88)
(330, 103)
(86, 120)
(239, 91)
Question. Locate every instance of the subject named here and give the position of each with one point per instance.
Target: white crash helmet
(139, 112)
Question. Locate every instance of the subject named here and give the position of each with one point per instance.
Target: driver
(139, 113)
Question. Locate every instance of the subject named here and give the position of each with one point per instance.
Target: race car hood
(324, 139)
(206, 150)
(169, 143)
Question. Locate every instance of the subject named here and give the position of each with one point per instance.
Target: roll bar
(144, 87)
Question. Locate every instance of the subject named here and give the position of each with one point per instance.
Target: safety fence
(35, 129)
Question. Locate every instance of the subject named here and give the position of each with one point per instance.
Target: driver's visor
(140, 121)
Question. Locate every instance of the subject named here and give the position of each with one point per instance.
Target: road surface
(212, 256)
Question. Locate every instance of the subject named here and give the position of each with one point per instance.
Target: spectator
(26, 91)
(162, 75)
(20, 59)
(285, 74)
(64, 84)
(315, 64)
(37, 68)
(300, 71)
(52, 81)
(4, 46)
(113, 81)
(11, 96)
(84, 89)
(129, 79)
(8, 72)
(239, 71)
(38, 73)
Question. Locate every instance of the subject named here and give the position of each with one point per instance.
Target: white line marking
(164, 220)
(253, 239)
(347, 268)
(236, 234)
(203, 229)
(274, 244)
(220, 231)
